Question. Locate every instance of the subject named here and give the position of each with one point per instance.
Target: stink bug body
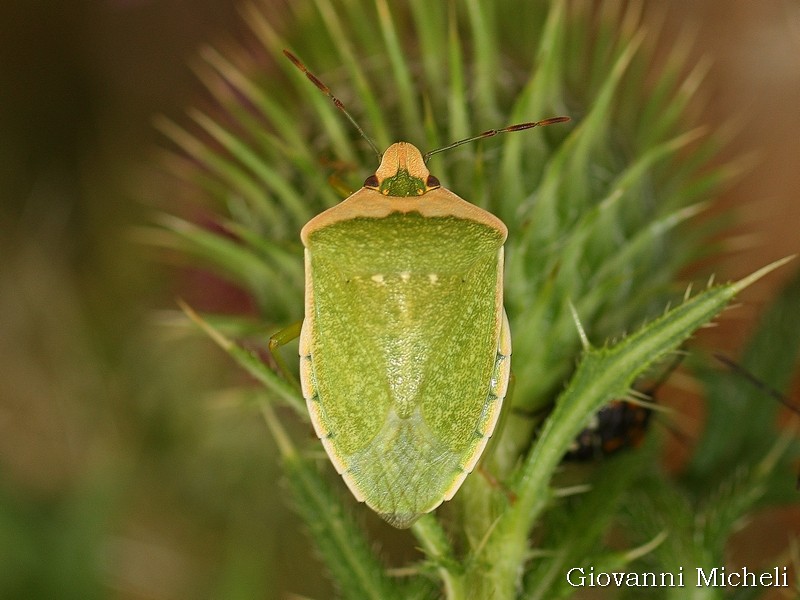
(405, 347)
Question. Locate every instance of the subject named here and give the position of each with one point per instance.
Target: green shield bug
(405, 346)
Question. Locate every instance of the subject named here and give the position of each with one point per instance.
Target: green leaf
(575, 528)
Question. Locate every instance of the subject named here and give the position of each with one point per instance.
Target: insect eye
(432, 182)
(371, 182)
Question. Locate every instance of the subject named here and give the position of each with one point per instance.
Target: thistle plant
(602, 219)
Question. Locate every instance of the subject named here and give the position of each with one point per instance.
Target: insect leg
(281, 338)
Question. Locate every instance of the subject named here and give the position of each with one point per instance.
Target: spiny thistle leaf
(602, 375)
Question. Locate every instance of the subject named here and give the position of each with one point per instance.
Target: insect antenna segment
(327, 91)
(756, 382)
(493, 132)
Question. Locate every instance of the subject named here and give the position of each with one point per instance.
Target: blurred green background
(120, 476)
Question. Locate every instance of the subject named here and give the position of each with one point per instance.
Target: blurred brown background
(113, 481)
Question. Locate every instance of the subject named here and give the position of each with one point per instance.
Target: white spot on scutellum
(405, 276)
(378, 278)
(433, 278)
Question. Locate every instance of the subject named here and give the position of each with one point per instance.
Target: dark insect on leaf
(619, 425)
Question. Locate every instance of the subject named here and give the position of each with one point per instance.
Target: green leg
(281, 338)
